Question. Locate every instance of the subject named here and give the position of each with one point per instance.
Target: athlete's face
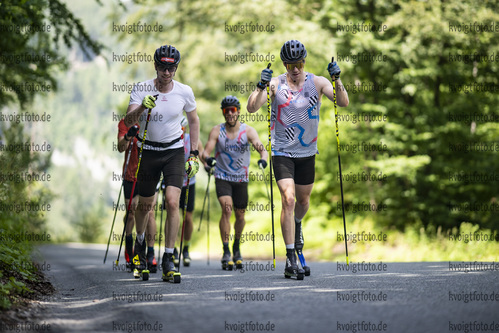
(231, 114)
(295, 69)
(165, 73)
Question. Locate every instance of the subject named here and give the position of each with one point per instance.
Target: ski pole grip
(332, 59)
(268, 66)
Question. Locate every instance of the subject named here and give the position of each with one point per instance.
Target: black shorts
(127, 187)
(190, 200)
(237, 190)
(301, 170)
(170, 162)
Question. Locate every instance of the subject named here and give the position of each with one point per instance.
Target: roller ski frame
(227, 264)
(171, 275)
(144, 273)
(292, 269)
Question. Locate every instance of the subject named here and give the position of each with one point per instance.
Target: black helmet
(230, 101)
(167, 55)
(293, 51)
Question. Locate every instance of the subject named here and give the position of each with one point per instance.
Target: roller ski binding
(152, 263)
(292, 269)
(140, 262)
(168, 267)
(175, 257)
(227, 264)
(238, 259)
(299, 242)
(185, 256)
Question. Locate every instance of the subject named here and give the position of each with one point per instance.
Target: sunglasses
(232, 109)
(292, 66)
(163, 68)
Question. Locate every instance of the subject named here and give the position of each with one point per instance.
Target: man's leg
(226, 205)
(287, 188)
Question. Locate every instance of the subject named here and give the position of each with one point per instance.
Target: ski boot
(292, 269)
(299, 242)
(140, 261)
(185, 256)
(129, 253)
(168, 267)
(226, 262)
(238, 259)
(151, 263)
(175, 257)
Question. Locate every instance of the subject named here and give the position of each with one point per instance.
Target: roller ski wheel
(144, 274)
(227, 264)
(186, 258)
(238, 260)
(168, 268)
(292, 269)
(175, 257)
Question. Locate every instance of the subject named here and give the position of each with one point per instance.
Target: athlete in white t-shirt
(163, 150)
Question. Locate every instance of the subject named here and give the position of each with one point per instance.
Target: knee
(288, 202)
(172, 204)
(227, 209)
(303, 201)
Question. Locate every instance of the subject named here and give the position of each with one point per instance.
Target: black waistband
(159, 144)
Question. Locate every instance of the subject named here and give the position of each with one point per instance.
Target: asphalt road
(369, 297)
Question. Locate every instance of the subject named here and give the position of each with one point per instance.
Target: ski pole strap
(159, 144)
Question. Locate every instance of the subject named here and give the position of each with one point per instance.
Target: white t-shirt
(164, 123)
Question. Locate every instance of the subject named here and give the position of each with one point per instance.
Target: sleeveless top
(295, 119)
(233, 156)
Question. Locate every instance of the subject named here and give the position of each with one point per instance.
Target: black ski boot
(226, 262)
(140, 261)
(152, 264)
(175, 257)
(238, 259)
(168, 267)
(129, 253)
(292, 269)
(299, 242)
(185, 256)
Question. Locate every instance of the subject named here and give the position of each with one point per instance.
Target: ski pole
(270, 166)
(208, 225)
(119, 196)
(339, 165)
(134, 182)
(183, 223)
(163, 190)
(208, 214)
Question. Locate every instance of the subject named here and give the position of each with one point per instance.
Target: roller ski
(238, 259)
(140, 262)
(227, 264)
(168, 267)
(292, 269)
(152, 264)
(175, 257)
(185, 257)
(299, 242)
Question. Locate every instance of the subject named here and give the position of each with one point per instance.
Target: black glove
(211, 162)
(334, 70)
(262, 163)
(132, 132)
(265, 78)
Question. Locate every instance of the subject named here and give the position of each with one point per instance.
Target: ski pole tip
(347, 262)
